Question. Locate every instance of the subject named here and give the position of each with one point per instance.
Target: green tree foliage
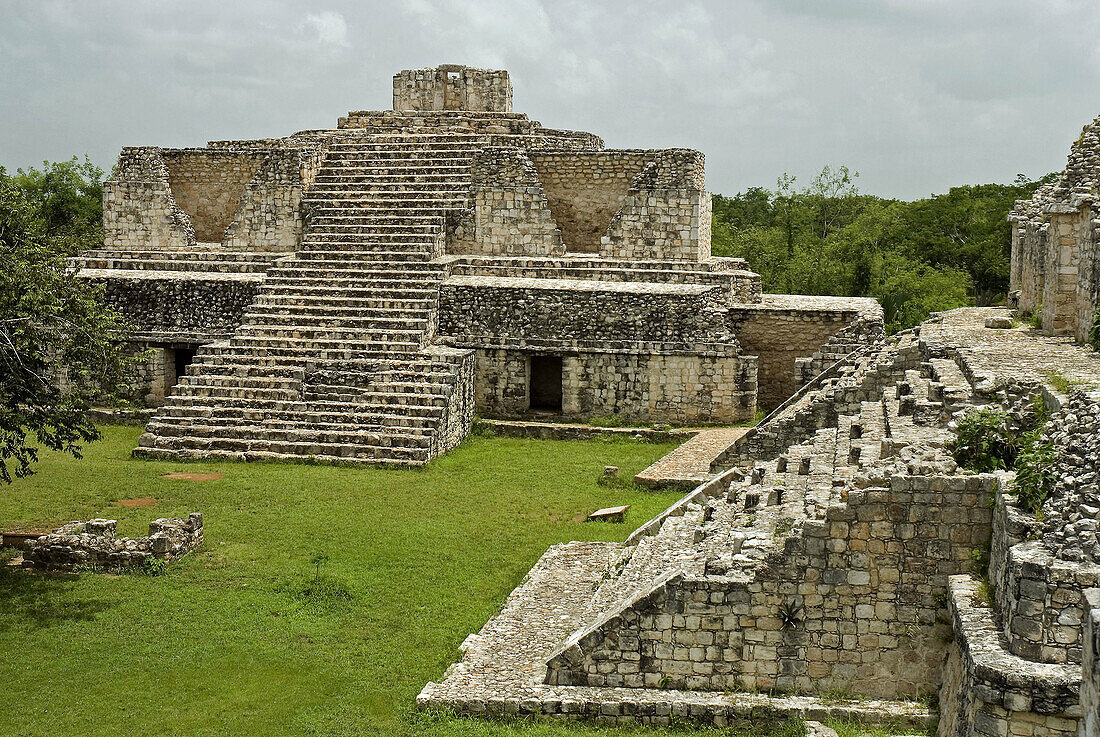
(60, 348)
(916, 257)
(68, 198)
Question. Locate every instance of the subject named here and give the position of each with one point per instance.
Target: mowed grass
(230, 641)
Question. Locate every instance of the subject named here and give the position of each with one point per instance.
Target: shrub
(1036, 472)
(983, 442)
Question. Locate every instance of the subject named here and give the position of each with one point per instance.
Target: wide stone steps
(671, 547)
(356, 258)
(332, 359)
(269, 437)
(407, 404)
(183, 262)
(303, 414)
(354, 447)
(371, 305)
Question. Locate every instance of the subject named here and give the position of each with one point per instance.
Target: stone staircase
(336, 358)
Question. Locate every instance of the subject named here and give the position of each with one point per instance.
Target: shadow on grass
(36, 601)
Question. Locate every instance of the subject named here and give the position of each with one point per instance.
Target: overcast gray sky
(917, 95)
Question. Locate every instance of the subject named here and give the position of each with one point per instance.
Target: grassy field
(239, 638)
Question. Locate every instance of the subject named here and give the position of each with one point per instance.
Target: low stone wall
(988, 691)
(93, 544)
(868, 581)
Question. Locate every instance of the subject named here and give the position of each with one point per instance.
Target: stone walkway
(689, 465)
(1022, 354)
(503, 666)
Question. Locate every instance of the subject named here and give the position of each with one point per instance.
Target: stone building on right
(1056, 244)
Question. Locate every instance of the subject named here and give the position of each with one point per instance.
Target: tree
(917, 257)
(60, 347)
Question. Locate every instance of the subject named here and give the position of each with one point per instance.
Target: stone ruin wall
(1090, 682)
(869, 581)
(138, 208)
(780, 336)
(585, 190)
(665, 357)
(510, 213)
(243, 199)
(452, 87)
(208, 186)
(621, 204)
(1055, 263)
(93, 544)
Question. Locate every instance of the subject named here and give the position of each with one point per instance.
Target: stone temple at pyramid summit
(356, 294)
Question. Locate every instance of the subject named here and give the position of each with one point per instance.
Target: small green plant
(783, 526)
(664, 682)
(983, 442)
(153, 566)
(790, 612)
(318, 562)
(1033, 317)
(1036, 473)
(1059, 381)
(984, 595)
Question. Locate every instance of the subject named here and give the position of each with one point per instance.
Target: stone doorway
(545, 383)
(181, 359)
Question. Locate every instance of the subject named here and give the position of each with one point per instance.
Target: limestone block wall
(242, 198)
(585, 189)
(868, 581)
(1029, 248)
(510, 213)
(1040, 603)
(452, 87)
(193, 310)
(507, 311)
(780, 335)
(1090, 667)
(268, 215)
(667, 212)
(645, 384)
(987, 691)
(139, 210)
(1070, 232)
(208, 186)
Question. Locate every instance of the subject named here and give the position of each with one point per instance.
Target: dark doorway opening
(546, 374)
(182, 358)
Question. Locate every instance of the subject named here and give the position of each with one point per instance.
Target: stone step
(327, 348)
(408, 404)
(353, 416)
(336, 451)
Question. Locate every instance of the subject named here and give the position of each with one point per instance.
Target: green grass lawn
(234, 640)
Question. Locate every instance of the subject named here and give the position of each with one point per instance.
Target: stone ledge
(1002, 678)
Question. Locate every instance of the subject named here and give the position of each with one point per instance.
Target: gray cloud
(917, 95)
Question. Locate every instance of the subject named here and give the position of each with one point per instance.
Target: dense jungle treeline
(949, 250)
